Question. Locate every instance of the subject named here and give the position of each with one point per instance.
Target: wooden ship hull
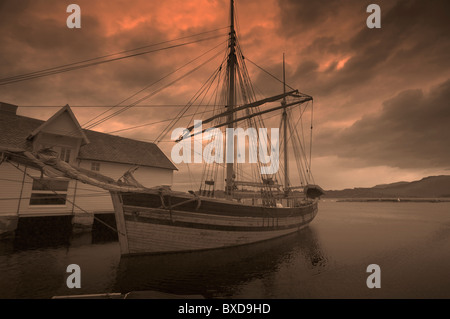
(152, 223)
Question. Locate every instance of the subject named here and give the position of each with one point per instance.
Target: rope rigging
(156, 91)
(98, 60)
(246, 94)
(90, 126)
(210, 90)
(153, 83)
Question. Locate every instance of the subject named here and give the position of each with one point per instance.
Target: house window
(95, 166)
(64, 154)
(48, 191)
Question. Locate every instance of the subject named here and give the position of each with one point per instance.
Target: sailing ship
(243, 205)
(163, 220)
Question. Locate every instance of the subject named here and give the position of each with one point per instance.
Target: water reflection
(326, 260)
(42, 232)
(101, 233)
(34, 265)
(312, 252)
(217, 273)
(56, 232)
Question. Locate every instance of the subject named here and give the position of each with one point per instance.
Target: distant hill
(428, 187)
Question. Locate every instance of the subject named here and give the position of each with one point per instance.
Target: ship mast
(285, 151)
(231, 102)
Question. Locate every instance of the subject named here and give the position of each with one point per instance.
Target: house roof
(14, 130)
(55, 117)
(111, 148)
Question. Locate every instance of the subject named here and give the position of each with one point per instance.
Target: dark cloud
(406, 40)
(307, 67)
(413, 35)
(326, 44)
(359, 67)
(304, 14)
(411, 131)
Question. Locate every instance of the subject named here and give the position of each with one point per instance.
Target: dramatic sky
(381, 96)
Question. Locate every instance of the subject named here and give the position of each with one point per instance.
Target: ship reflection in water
(221, 272)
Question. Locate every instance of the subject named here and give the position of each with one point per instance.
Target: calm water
(409, 241)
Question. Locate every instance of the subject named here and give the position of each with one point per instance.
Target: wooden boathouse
(27, 193)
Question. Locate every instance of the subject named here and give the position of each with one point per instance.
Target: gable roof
(111, 148)
(15, 130)
(54, 118)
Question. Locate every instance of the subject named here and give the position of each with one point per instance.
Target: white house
(24, 192)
